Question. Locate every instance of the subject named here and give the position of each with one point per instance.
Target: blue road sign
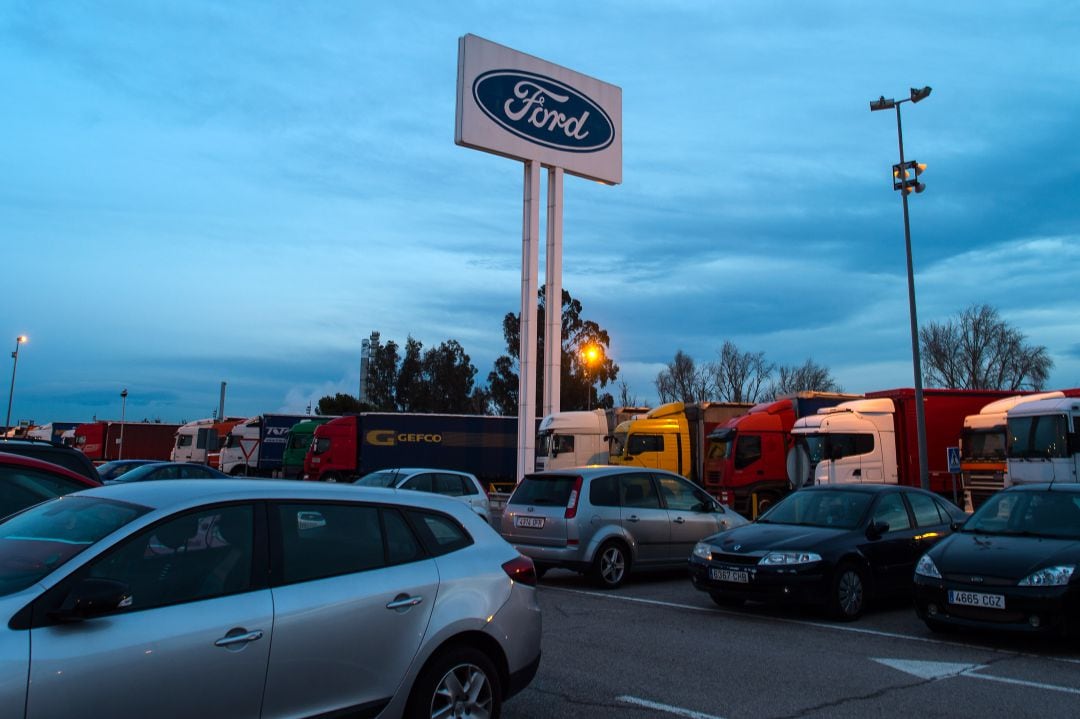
(953, 456)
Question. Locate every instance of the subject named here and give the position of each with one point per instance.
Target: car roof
(1044, 486)
(20, 460)
(415, 470)
(600, 470)
(859, 487)
(180, 493)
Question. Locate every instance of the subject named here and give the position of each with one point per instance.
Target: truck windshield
(618, 444)
(1041, 436)
(982, 444)
(835, 445)
(232, 440)
(299, 441)
(721, 448)
(543, 443)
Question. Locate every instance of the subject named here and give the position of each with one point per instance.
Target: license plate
(529, 522)
(726, 575)
(977, 599)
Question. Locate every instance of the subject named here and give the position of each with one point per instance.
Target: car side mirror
(877, 529)
(93, 598)
(956, 525)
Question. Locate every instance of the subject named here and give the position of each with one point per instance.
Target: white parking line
(678, 711)
(820, 625)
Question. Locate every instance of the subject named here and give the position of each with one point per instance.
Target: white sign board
(519, 106)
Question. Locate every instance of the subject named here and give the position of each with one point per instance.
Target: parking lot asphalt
(657, 647)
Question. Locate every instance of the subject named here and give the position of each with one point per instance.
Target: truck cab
(572, 439)
(851, 442)
(983, 444)
(658, 440)
(333, 452)
(1044, 441)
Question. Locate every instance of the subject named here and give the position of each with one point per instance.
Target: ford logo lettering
(543, 111)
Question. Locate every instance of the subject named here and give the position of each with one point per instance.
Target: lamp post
(123, 412)
(11, 393)
(906, 180)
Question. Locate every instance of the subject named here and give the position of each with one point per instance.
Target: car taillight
(521, 570)
(572, 502)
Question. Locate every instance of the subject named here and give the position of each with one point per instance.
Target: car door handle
(679, 520)
(233, 639)
(403, 601)
(632, 518)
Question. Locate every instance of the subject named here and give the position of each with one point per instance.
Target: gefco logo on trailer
(388, 438)
(543, 111)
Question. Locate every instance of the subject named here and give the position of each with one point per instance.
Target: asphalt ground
(657, 647)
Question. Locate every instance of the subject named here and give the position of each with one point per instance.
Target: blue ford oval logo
(544, 111)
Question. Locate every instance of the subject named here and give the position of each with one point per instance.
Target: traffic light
(906, 176)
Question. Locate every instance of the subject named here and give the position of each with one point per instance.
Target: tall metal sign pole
(518, 106)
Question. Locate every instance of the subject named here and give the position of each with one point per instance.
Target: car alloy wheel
(849, 592)
(611, 565)
(464, 691)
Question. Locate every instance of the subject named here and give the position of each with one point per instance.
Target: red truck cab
(746, 466)
(333, 452)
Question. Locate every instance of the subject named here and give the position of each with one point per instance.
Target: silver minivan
(607, 520)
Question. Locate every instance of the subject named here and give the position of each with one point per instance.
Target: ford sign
(544, 111)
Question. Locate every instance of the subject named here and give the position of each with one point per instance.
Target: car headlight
(1049, 576)
(703, 550)
(773, 559)
(927, 568)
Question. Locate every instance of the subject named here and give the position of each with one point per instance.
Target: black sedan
(832, 545)
(168, 470)
(1013, 565)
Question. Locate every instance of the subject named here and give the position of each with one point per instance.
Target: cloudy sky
(198, 192)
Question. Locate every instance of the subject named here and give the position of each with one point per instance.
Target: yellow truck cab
(671, 437)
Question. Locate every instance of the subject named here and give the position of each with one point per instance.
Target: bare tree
(740, 376)
(979, 350)
(682, 381)
(807, 377)
(626, 397)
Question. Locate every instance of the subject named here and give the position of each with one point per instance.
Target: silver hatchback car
(605, 521)
(248, 598)
(462, 486)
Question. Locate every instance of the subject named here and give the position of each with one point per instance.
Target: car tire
(610, 565)
(463, 677)
(726, 600)
(849, 590)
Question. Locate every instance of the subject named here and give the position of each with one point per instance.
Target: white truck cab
(851, 442)
(1044, 441)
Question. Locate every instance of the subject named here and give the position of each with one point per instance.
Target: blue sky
(201, 192)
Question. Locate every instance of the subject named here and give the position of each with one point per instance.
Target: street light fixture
(906, 180)
(123, 413)
(11, 393)
(590, 353)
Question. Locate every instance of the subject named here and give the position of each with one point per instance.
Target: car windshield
(379, 479)
(838, 509)
(35, 542)
(1045, 514)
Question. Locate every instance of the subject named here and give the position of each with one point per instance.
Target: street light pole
(123, 413)
(11, 393)
(901, 174)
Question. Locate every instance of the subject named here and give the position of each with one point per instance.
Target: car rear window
(544, 489)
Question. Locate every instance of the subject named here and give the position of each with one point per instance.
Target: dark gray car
(607, 521)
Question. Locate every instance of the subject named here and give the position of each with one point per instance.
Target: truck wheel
(611, 565)
(460, 682)
(331, 477)
(765, 501)
(848, 592)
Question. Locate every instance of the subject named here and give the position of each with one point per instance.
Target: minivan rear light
(572, 502)
(521, 570)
